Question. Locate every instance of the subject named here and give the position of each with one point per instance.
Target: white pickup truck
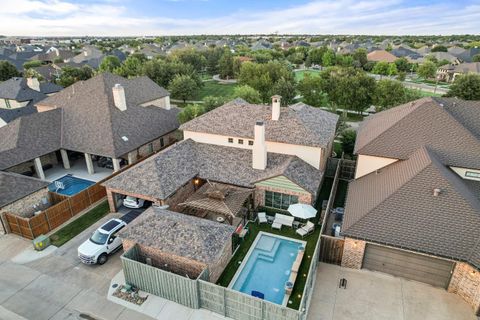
(103, 242)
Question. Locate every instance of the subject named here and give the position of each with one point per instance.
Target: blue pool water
(72, 185)
(268, 267)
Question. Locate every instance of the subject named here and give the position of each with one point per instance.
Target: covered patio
(219, 202)
(78, 168)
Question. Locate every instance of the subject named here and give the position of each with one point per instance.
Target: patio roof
(220, 198)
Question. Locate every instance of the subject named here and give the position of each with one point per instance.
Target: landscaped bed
(75, 227)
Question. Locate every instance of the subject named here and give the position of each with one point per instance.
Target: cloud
(113, 17)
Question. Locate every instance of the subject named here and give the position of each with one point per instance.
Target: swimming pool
(69, 185)
(267, 267)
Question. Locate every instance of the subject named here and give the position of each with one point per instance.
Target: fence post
(18, 225)
(48, 221)
(31, 230)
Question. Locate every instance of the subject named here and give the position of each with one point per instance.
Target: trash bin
(334, 227)
(339, 214)
(41, 242)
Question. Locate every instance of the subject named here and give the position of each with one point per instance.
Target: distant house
(381, 55)
(449, 72)
(445, 56)
(18, 97)
(402, 51)
(105, 116)
(413, 209)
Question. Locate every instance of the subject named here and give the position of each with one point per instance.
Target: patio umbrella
(302, 211)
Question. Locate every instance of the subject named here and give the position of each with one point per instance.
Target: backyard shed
(179, 243)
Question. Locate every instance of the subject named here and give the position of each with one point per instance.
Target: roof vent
(124, 138)
(441, 105)
(436, 192)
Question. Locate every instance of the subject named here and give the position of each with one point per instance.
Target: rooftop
(23, 186)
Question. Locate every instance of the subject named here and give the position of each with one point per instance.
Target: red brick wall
(465, 282)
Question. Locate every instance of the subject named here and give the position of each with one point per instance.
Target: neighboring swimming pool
(69, 185)
(268, 265)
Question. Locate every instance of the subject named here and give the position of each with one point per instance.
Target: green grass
(341, 194)
(75, 227)
(216, 89)
(428, 94)
(337, 147)
(301, 73)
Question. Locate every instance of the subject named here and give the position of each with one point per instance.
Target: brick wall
(465, 282)
(260, 195)
(353, 251)
(24, 207)
(50, 158)
(119, 193)
(215, 270)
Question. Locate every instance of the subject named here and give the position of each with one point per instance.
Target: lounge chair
(306, 229)
(262, 217)
(282, 220)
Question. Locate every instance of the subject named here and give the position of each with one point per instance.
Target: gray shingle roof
(179, 234)
(298, 124)
(88, 113)
(17, 89)
(16, 186)
(161, 175)
(396, 207)
(448, 126)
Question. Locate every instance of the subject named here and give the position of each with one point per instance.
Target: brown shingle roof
(381, 55)
(396, 206)
(16, 186)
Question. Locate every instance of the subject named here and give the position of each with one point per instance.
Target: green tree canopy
(32, 64)
(212, 102)
(360, 55)
(427, 70)
(476, 58)
(286, 89)
(439, 48)
(466, 87)
(403, 65)
(248, 94)
(389, 93)
(190, 112)
(162, 72)
(381, 68)
(70, 75)
(328, 58)
(7, 70)
(315, 55)
(347, 140)
(310, 87)
(191, 57)
(183, 87)
(109, 64)
(131, 67)
(225, 65)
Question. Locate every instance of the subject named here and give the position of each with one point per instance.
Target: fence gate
(331, 250)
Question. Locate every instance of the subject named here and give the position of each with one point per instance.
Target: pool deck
(253, 246)
(78, 169)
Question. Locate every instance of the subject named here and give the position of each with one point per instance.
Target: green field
(213, 88)
(301, 73)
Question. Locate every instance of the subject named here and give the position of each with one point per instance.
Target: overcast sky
(173, 17)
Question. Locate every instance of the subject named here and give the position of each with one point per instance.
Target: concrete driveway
(373, 295)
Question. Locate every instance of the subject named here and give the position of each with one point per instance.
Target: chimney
(276, 107)
(33, 84)
(119, 97)
(259, 151)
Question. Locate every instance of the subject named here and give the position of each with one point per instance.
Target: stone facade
(47, 159)
(260, 195)
(353, 251)
(465, 282)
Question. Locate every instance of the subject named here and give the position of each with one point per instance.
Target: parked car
(103, 242)
(133, 203)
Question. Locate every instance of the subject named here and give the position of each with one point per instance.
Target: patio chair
(306, 229)
(281, 219)
(262, 217)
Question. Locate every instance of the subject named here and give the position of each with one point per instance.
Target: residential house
(277, 155)
(381, 55)
(413, 209)
(449, 72)
(105, 116)
(468, 55)
(18, 97)
(445, 56)
(90, 56)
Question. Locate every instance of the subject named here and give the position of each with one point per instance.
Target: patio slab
(78, 169)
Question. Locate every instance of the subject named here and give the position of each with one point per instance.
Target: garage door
(408, 265)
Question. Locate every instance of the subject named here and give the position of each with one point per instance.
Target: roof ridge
(449, 113)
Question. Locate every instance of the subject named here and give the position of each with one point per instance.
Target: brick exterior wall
(260, 195)
(111, 196)
(465, 282)
(353, 251)
(215, 270)
(50, 158)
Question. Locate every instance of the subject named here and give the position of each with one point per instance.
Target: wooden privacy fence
(57, 214)
(331, 249)
(198, 293)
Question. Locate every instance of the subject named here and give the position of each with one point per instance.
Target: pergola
(218, 198)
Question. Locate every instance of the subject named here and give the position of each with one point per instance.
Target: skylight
(124, 138)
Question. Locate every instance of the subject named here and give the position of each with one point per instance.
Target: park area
(300, 74)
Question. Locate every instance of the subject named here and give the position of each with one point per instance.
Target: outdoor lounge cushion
(276, 225)
(262, 217)
(306, 229)
(284, 219)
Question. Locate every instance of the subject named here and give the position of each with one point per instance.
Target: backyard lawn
(213, 88)
(301, 73)
(75, 227)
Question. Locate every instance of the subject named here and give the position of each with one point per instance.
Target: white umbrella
(303, 211)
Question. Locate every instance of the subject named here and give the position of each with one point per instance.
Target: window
(230, 140)
(162, 143)
(472, 174)
(240, 141)
(279, 200)
(250, 142)
(7, 103)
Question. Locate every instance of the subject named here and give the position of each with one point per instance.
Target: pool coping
(247, 257)
(73, 176)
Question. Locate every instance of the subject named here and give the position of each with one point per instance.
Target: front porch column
(116, 164)
(132, 157)
(39, 169)
(65, 160)
(88, 160)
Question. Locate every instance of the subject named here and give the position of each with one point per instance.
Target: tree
(212, 102)
(190, 112)
(310, 87)
(32, 64)
(328, 58)
(225, 65)
(392, 69)
(212, 56)
(348, 141)
(131, 67)
(7, 70)
(109, 64)
(315, 55)
(476, 58)
(191, 57)
(439, 48)
(466, 87)
(32, 73)
(70, 75)
(381, 68)
(427, 70)
(183, 87)
(162, 72)
(403, 65)
(248, 94)
(401, 76)
(360, 55)
(286, 89)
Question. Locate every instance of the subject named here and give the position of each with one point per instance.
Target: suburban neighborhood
(158, 161)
